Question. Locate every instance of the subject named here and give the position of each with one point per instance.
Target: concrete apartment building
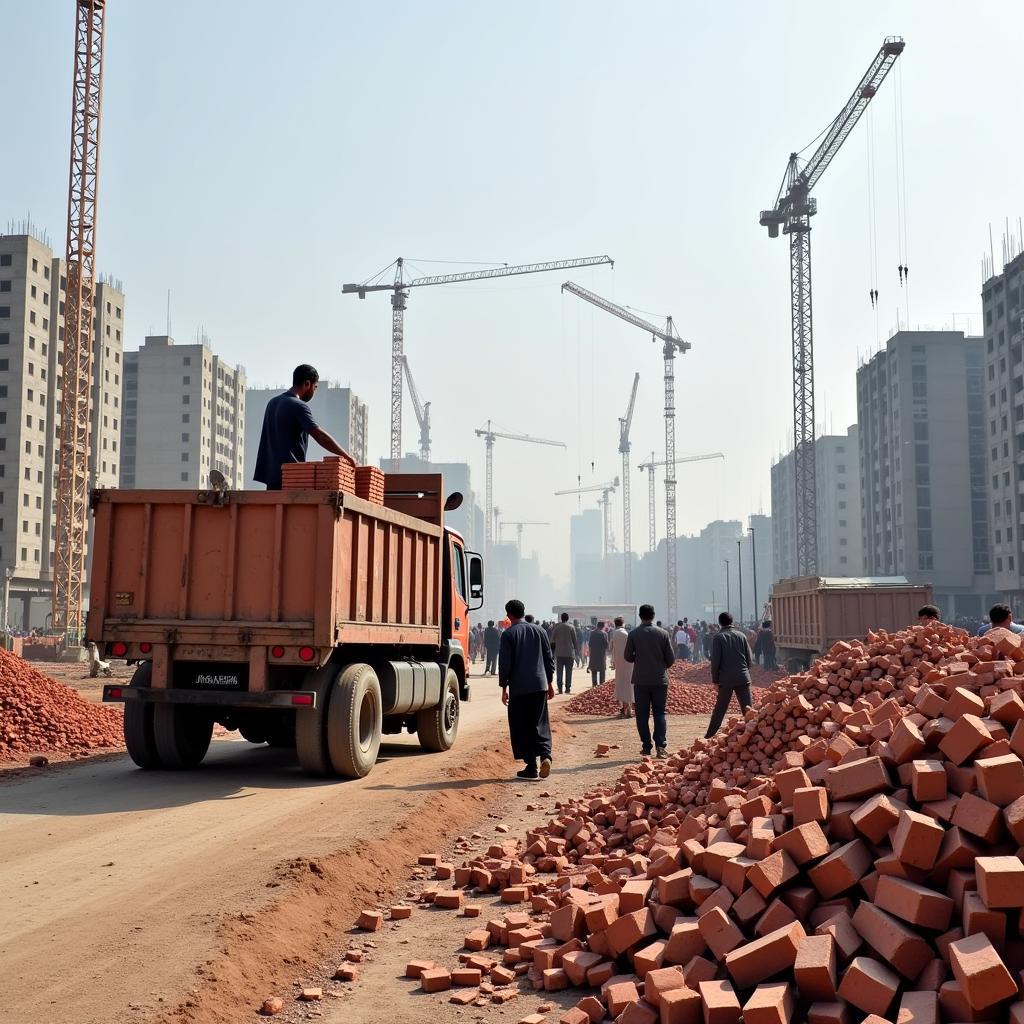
(184, 414)
(587, 581)
(921, 409)
(1002, 299)
(338, 410)
(840, 549)
(32, 294)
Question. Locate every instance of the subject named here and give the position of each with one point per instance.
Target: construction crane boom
(422, 410)
(671, 344)
(604, 501)
(792, 212)
(625, 423)
(650, 467)
(399, 289)
(79, 303)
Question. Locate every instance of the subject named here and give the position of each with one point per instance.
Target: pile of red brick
(699, 674)
(683, 699)
(370, 484)
(331, 473)
(872, 872)
(40, 715)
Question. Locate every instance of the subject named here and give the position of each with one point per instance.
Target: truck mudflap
(114, 693)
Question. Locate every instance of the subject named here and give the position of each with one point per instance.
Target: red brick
(876, 817)
(769, 1004)
(633, 894)
(1007, 708)
(842, 869)
(958, 850)
(721, 1006)
(650, 958)
(857, 779)
(914, 903)
(719, 932)
(502, 975)
(980, 972)
(1000, 881)
(674, 888)
(906, 741)
(577, 963)
(815, 968)
(828, 1013)
(928, 781)
(638, 1013)
(555, 979)
(954, 1005)
(660, 981)
(978, 918)
(917, 839)
(680, 1006)
(437, 979)
(777, 915)
(869, 985)
(961, 701)
(734, 874)
(918, 1008)
(684, 942)
(574, 1015)
(748, 907)
(619, 995)
(599, 975)
(603, 914)
(788, 781)
(774, 871)
(804, 843)
(755, 961)
(896, 944)
(810, 803)
(979, 818)
(717, 855)
(698, 970)
(845, 936)
(628, 930)
(967, 735)
(370, 921)
(478, 939)
(467, 976)
(1000, 779)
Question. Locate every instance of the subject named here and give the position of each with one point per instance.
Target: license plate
(217, 677)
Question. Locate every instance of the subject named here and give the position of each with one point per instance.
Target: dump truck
(298, 617)
(810, 613)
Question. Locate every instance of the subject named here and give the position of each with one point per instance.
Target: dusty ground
(133, 897)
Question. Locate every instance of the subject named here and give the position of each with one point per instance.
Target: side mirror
(476, 580)
(454, 501)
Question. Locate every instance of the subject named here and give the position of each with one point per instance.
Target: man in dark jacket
(649, 649)
(765, 648)
(730, 670)
(525, 670)
(567, 651)
(598, 654)
(492, 638)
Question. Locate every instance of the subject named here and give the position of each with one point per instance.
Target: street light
(753, 552)
(739, 571)
(728, 596)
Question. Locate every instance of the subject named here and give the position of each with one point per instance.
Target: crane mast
(792, 212)
(399, 289)
(422, 410)
(79, 303)
(625, 423)
(650, 467)
(671, 343)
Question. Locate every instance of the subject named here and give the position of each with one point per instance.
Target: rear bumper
(300, 700)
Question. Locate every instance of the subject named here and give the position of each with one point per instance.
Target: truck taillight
(145, 647)
(277, 651)
(302, 699)
(114, 693)
(307, 653)
(118, 648)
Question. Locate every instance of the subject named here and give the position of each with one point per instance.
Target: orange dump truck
(306, 618)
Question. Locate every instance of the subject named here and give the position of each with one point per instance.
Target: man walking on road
(598, 654)
(492, 637)
(567, 650)
(730, 670)
(525, 670)
(649, 649)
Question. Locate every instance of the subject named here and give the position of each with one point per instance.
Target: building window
(184, 456)
(5, 312)
(184, 438)
(184, 478)
(35, 266)
(5, 259)
(5, 286)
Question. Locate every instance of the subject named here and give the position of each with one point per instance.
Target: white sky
(257, 156)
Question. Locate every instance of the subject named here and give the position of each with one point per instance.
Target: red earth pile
(873, 874)
(40, 715)
(690, 692)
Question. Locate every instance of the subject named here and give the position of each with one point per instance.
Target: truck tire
(138, 724)
(438, 727)
(182, 735)
(311, 726)
(253, 732)
(354, 721)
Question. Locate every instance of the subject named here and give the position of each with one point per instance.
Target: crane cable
(902, 234)
(872, 214)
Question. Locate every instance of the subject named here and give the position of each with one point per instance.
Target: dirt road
(115, 883)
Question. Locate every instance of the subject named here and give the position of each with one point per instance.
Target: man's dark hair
(528, 617)
(767, 624)
(724, 620)
(646, 612)
(515, 609)
(304, 372)
(930, 610)
(619, 620)
(490, 622)
(600, 625)
(998, 613)
(679, 622)
(565, 616)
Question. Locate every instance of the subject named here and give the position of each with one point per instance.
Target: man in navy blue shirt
(287, 426)
(525, 670)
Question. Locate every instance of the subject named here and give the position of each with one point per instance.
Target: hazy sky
(258, 155)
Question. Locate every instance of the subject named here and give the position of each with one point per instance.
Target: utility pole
(7, 599)
(753, 554)
(739, 571)
(728, 592)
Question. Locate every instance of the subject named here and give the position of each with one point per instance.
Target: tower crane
(650, 467)
(625, 422)
(489, 436)
(671, 343)
(80, 300)
(605, 499)
(793, 210)
(422, 410)
(519, 524)
(399, 289)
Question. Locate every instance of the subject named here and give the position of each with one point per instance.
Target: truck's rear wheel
(311, 725)
(354, 721)
(182, 735)
(438, 727)
(138, 723)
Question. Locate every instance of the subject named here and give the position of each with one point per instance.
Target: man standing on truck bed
(525, 670)
(287, 426)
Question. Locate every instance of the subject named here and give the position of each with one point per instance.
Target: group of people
(693, 641)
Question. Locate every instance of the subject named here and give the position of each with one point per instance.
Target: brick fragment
(662, 980)
(928, 781)
(979, 818)
(272, 1006)
(769, 1004)
(917, 839)
(311, 995)
(841, 870)
(828, 1013)
(619, 995)
(755, 961)
(896, 944)
(721, 1005)
(680, 1006)
(478, 939)
(464, 998)
(810, 803)
(914, 903)
(628, 930)
(815, 968)
(876, 817)
(773, 872)
(437, 979)
(845, 936)
(370, 921)
(685, 941)
(576, 1015)
(719, 933)
(1000, 779)
(918, 1008)
(414, 968)
(967, 735)
(980, 972)
(803, 843)
(857, 779)
(1000, 881)
(869, 985)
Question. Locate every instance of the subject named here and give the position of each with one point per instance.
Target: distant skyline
(252, 163)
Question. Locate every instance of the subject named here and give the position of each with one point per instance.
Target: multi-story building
(586, 562)
(32, 294)
(184, 414)
(337, 410)
(762, 561)
(1002, 299)
(840, 551)
(923, 465)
